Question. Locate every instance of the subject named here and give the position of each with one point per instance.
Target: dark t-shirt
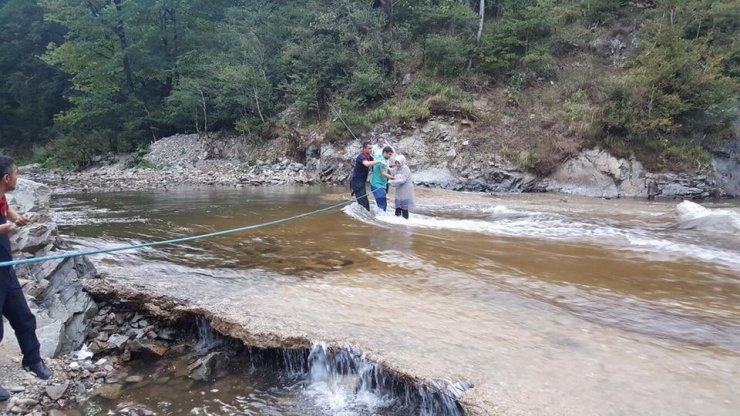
(361, 171)
(4, 249)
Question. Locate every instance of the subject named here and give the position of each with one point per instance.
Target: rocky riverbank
(86, 342)
(441, 153)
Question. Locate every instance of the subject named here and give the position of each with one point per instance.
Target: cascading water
(208, 339)
(343, 379)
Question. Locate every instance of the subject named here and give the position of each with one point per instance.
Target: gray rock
(726, 164)
(31, 198)
(118, 340)
(32, 238)
(56, 391)
(109, 391)
(207, 367)
(134, 379)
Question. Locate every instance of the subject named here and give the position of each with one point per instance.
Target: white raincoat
(403, 184)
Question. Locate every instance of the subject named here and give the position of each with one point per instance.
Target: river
(546, 304)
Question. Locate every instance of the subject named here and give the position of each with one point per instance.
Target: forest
(80, 78)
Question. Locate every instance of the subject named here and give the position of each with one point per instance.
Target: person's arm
(399, 180)
(8, 228)
(18, 219)
(384, 173)
(370, 163)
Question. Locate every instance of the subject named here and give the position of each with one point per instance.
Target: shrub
(577, 107)
(447, 54)
(368, 84)
(74, 153)
(514, 88)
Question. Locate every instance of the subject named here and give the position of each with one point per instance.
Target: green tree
(680, 91)
(30, 90)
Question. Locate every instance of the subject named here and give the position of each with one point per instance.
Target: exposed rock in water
(209, 366)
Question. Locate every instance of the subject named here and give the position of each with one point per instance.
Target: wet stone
(109, 391)
(56, 391)
(162, 380)
(167, 334)
(134, 379)
(118, 340)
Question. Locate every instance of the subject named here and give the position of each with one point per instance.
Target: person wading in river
(379, 180)
(12, 302)
(404, 187)
(363, 163)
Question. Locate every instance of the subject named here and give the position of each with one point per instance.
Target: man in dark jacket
(12, 302)
(363, 163)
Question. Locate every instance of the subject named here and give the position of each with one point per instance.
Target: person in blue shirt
(12, 301)
(379, 181)
(363, 163)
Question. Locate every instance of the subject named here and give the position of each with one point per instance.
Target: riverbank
(440, 153)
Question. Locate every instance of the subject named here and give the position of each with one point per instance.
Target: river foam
(651, 241)
(692, 216)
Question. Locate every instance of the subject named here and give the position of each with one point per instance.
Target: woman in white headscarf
(404, 187)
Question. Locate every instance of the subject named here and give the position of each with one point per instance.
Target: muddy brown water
(547, 304)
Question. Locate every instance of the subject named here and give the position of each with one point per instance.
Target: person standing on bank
(379, 181)
(404, 187)
(379, 146)
(12, 302)
(363, 163)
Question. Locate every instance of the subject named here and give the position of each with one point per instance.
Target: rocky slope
(443, 153)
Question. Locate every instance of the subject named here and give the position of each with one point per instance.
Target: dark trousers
(359, 190)
(16, 311)
(404, 212)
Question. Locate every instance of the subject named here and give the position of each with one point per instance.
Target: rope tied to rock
(169, 242)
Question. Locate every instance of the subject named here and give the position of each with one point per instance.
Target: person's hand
(22, 220)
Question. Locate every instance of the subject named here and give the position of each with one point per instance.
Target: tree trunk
(482, 18)
(168, 35)
(205, 112)
(123, 42)
(257, 101)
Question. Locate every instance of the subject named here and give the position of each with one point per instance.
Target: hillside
(536, 80)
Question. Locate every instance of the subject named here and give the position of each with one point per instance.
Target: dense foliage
(86, 77)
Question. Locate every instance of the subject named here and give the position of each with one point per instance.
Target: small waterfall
(346, 381)
(341, 380)
(208, 339)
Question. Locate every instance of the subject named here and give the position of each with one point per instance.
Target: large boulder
(63, 309)
(596, 173)
(32, 199)
(65, 302)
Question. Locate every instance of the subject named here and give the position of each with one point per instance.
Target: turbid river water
(545, 304)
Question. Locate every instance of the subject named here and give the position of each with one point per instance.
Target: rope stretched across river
(166, 242)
